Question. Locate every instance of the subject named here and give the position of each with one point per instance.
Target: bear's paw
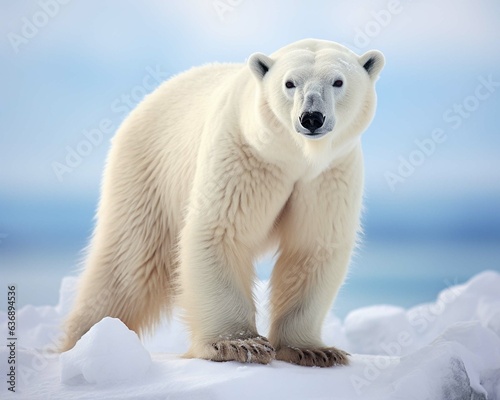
(250, 350)
(313, 357)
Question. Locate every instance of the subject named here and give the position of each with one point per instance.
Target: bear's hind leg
(137, 297)
(129, 272)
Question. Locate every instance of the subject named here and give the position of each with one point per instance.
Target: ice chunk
(108, 352)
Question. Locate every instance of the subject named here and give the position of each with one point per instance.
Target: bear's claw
(254, 350)
(316, 357)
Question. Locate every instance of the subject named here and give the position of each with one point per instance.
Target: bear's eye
(289, 85)
(338, 83)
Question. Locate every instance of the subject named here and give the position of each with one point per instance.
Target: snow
(447, 349)
(109, 352)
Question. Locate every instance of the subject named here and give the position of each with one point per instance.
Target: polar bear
(218, 165)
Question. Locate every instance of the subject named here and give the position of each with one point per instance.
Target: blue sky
(89, 55)
(87, 63)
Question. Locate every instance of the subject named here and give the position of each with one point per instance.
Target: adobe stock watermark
(419, 319)
(223, 7)
(379, 21)
(31, 27)
(93, 137)
(454, 117)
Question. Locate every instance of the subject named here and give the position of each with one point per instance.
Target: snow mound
(456, 365)
(447, 349)
(108, 352)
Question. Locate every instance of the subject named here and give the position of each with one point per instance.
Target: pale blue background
(439, 227)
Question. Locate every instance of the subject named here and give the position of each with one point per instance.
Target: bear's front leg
(304, 284)
(317, 236)
(233, 206)
(216, 279)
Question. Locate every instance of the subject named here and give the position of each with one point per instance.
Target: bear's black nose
(312, 120)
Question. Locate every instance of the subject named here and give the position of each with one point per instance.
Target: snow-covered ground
(449, 349)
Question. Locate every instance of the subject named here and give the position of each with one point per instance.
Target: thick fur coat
(218, 165)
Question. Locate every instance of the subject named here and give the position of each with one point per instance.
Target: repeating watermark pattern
(459, 112)
(94, 137)
(31, 27)
(379, 21)
(75, 155)
(454, 117)
(407, 165)
(419, 319)
(223, 7)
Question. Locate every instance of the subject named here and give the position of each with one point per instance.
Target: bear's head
(319, 90)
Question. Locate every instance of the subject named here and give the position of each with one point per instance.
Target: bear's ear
(372, 61)
(259, 64)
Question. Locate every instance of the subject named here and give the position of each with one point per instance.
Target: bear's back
(163, 134)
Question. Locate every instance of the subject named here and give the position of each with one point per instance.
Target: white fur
(207, 173)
